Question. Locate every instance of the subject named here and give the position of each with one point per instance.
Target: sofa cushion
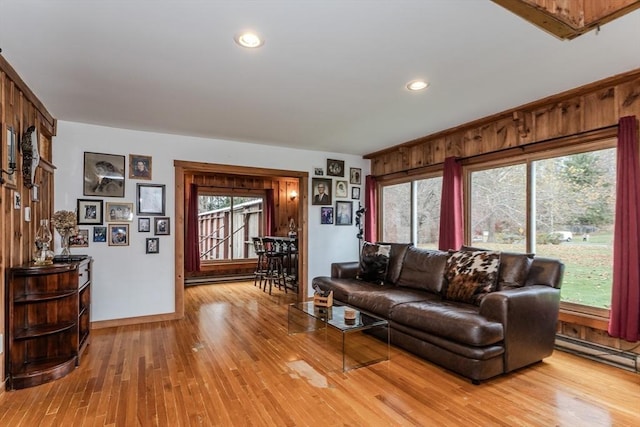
(396, 259)
(514, 268)
(374, 260)
(423, 269)
(471, 275)
(456, 321)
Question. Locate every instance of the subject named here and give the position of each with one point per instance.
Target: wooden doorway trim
(182, 168)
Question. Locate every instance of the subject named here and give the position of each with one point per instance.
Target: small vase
(43, 256)
(65, 234)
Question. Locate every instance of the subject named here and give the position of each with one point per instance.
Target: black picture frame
(152, 245)
(103, 175)
(100, 234)
(144, 225)
(344, 213)
(321, 189)
(89, 211)
(162, 226)
(150, 199)
(335, 167)
(326, 215)
(355, 193)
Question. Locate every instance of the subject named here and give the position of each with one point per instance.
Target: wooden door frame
(183, 168)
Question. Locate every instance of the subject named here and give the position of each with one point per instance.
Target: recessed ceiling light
(417, 85)
(248, 39)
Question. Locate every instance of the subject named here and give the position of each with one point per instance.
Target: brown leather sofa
(512, 327)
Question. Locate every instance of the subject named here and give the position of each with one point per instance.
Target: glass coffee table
(358, 348)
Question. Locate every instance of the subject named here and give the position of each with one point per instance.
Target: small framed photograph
(35, 193)
(344, 213)
(153, 245)
(17, 200)
(118, 234)
(151, 199)
(355, 193)
(80, 240)
(321, 188)
(161, 226)
(341, 189)
(355, 176)
(119, 212)
(144, 225)
(335, 167)
(89, 211)
(103, 175)
(100, 234)
(139, 166)
(326, 215)
(318, 171)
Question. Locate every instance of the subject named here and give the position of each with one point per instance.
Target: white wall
(126, 281)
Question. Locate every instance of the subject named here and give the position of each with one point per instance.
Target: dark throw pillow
(471, 275)
(374, 260)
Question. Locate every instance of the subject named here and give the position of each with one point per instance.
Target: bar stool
(261, 267)
(275, 265)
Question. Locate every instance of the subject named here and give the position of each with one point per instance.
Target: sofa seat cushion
(455, 321)
(380, 301)
(343, 287)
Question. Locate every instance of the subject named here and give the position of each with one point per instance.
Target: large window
(226, 224)
(568, 203)
(411, 212)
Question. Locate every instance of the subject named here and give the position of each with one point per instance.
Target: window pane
(396, 213)
(498, 208)
(428, 192)
(575, 205)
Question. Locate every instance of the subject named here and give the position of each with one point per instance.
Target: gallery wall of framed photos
(336, 189)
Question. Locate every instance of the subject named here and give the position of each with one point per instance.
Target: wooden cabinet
(47, 321)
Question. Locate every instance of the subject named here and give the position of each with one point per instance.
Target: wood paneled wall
(19, 109)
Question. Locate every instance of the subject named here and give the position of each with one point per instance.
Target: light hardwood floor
(230, 362)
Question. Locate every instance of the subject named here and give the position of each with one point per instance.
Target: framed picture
(355, 175)
(10, 164)
(144, 225)
(103, 175)
(161, 226)
(80, 240)
(139, 166)
(150, 199)
(355, 193)
(335, 167)
(318, 171)
(35, 193)
(17, 200)
(344, 213)
(341, 189)
(321, 188)
(119, 211)
(326, 215)
(89, 211)
(100, 234)
(153, 245)
(118, 235)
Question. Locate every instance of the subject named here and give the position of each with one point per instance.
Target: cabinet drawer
(84, 274)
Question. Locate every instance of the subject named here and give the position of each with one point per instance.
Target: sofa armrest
(345, 270)
(529, 316)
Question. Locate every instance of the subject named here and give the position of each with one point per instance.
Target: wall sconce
(12, 169)
(293, 195)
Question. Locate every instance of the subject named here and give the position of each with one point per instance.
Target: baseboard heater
(201, 280)
(618, 358)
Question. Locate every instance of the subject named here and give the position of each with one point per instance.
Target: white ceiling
(331, 75)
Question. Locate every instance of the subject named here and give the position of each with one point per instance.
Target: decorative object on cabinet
(66, 224)
(43, 255)
(150, 199)
(118, 234)
(100, 234)
(11, 160)
(119, 211)
(161, 226)
(335, 167)
(144, 225)
(80, 239)
(344, 213)
(48, 314)
(139, 166)
(103, 175)
(153, 245)
(30, 155)
(89, 212)
(355, 176)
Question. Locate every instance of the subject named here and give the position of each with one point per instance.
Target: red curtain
(269, 213)
(451, 224)
(192, 240)
(370, 205)
(625, 296)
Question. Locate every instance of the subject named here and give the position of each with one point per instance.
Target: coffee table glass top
(334, 316)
